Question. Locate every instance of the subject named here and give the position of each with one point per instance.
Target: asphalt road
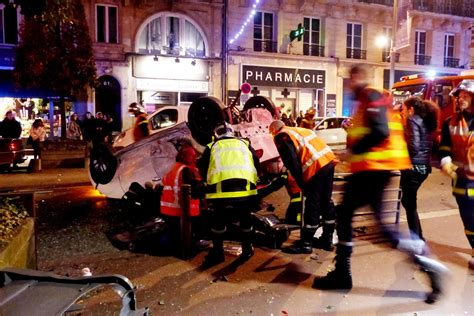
(72, 227)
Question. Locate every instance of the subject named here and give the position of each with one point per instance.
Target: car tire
(203, 116)
(103, 163)
(261, 102)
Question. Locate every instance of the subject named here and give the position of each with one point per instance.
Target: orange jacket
(171, 200)
(391, 153)
(311, 150)
(462, 145)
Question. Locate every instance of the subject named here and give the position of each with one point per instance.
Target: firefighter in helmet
(140, 128)
(230, 167)
(457, 156)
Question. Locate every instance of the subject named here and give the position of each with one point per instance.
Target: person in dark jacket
(88, 126)
(421, 123)
(10, 127)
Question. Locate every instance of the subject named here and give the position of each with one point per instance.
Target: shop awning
(8, 89)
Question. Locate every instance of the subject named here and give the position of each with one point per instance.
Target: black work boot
(338, 279)
(216, 254)
(325, 240)
(247, 251)
(436, 272)
(304, 245)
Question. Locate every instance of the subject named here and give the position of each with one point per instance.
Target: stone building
(173, 51)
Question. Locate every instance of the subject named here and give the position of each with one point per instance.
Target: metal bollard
(185, 223)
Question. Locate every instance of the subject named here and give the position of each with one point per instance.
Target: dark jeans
(410, 182)
(318, 192)
(361, 189)
(36, 149)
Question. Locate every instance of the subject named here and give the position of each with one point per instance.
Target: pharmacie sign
(284, 77)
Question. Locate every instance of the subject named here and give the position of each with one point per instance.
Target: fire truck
(436, 89)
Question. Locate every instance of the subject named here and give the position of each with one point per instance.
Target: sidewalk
(46, 178)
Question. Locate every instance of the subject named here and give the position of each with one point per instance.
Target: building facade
(173, 51)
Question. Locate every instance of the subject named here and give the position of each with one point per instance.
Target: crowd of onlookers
(90, 128)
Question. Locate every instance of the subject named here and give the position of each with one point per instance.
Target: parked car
(330, 130)
(163, 118)
(11, 152)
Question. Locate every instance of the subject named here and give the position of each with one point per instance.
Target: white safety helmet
(136, 109)
(465, 85)
(223, 129)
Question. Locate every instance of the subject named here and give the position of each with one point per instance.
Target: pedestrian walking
(421, 119)
(376, 146)
(230, 167)
(457, 156)
(311, 163)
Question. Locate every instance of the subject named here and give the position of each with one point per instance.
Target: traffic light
(298, 33)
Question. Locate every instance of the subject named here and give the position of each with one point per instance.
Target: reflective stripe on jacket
(390, 154)
(231, 158)
(312, 152)
(462, 140)
(171, 196)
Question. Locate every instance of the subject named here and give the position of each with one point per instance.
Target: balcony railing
(386, 57)
(451, 62)
(356, 53)
(313, 50)
(264, 46)
(422, 60)
(452, 7)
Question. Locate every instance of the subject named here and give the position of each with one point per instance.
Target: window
(449, 60)
(263, 32)
(165, 118)
(8, 25)
(420, 43)
(171, 34)
(420, 49)
(312, 37)
(106, 24)
(354, 41)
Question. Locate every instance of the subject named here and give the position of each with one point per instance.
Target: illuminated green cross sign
(298, 33)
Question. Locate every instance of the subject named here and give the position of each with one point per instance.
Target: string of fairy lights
(246, 21)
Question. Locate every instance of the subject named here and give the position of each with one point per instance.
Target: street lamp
(392, 44)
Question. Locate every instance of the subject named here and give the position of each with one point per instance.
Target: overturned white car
(112, 170)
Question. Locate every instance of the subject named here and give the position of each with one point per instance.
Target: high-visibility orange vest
(171, 196)
(462, 145)
(311, 150)
(391, 154)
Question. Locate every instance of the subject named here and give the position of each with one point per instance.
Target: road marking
(434, 214)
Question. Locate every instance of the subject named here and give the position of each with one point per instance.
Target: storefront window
(171, 35)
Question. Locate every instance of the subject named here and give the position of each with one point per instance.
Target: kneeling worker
(184, 171)
(229, 165)
(311, 163)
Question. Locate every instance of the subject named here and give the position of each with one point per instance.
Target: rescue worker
(140, 127)
(184, 171)
(457, 156)
(376, 146)
(229, 165)
(308, 120)
(311, 163)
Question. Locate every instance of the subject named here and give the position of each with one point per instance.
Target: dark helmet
(136, 109)
(465, 85)
(224, 129)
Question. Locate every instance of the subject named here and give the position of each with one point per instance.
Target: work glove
(449, 169)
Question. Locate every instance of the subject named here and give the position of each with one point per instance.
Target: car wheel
(260, 102)
(203, 116)
(103, 164)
